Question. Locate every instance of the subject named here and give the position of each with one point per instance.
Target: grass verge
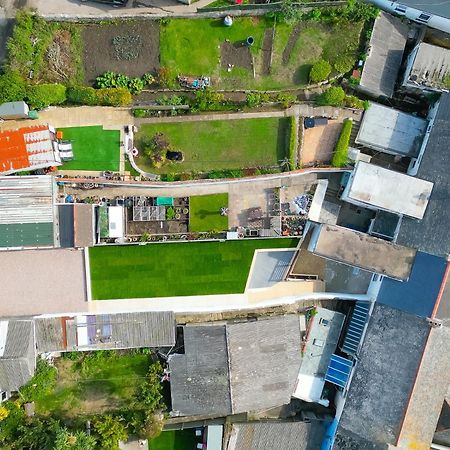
(204, 213)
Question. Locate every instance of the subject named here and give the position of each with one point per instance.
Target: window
(324, 322)
(424, 18)
(400, 9)
(318, 343)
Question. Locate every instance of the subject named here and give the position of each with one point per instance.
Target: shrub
(285, 99)
(139, 113)
(150, 391)
(42, 382)
(12, 87)
(333, 96)
(289, 13)
(114, 97)
(164, 77)
(319, 71)
(110, 431)
(117, 80)
(352, 101)
(42, 95)
(148, 78)
(174, 100)
(344, 64)
(292, 149)
(82, 95)
(340, 157)
(208, 99)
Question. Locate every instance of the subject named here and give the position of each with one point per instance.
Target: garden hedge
(319, 71)
(340, 157)
(292, 149)
(83, 95)
(40, 96)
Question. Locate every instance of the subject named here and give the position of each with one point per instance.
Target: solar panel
(356, 328)
(338, 371)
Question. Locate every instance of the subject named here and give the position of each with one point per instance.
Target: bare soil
(130, 48)
(267, 49)
(60, 67)
(235, 54)
(291, 43)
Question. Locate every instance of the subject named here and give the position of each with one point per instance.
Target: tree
(42, 95)
(110, 431)
(12, 87)
(333, 96)
(319, 71)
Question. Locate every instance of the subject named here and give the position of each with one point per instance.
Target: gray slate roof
(278, 436)
(437, 7)
(386, 51)
(265, 358)
(18, 362)
(383, 379)
(431, 234)
(199, 378)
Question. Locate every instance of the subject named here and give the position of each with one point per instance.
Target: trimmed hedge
(83, 95)
(12, 87)
(292, 149)
(40, 96)
(340, 157)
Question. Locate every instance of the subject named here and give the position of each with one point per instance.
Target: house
(276, 436)
(28, 216)
(391, 131)
(375, 187)
(77, 225)
(28, 148)
(430, 234)
(434, 14)
(361, 250)
(224, 365)
(428, 68)
(17, 353)
(386, 46)
(321, 340)
(105, 331)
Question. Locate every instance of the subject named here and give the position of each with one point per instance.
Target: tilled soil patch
(267, 49)
(291, 43)
(130, 48)
(235, 55)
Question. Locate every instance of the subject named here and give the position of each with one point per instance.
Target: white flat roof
(385, 189)
(116, 225)
(214, 437)
(309, 387)
(391, 131)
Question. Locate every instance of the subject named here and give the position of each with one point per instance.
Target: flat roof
(391, 131)
(386, 189)
(437, 7)
(382, 65)
(431, 66)
(42, 282)
(366, 252)
(116, 221)
(417, 295)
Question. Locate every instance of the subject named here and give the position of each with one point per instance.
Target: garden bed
(178, 269)
(216, 145)
(128, 47)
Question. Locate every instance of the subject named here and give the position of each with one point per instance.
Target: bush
(117, 80)
(340, 157)
(208, 100)
(164, 77)
(12, 87)
(42, 382)
(319, 71)
(174, 100)
(82, 95)
(139, 113)
(42, 95)
(110, 430)
(285, 99)
(150, 392)
(344, 64)
(352, 101)
(114, 97)
(333, 96)
(292, 149)
(254, 99)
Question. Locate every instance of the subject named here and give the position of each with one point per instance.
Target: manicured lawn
(98, 384)
(219, 144)
(193, 47)
(204, 213)
(93, 148)
(178, 269)
(175, 440)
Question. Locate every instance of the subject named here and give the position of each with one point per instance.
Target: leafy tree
(12, 87)
(333, 96)
(319, 71)
(66, 440)
(42, 95)
(344, 64)
(110, 431)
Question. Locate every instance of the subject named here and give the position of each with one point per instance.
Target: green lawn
(178, 269)
(93, 148)
(193, 47)
(219, 144)
(204, 213)
(175, 440)
(99, 384)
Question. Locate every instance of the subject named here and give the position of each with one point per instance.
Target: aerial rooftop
(361, 250)
(373, 186)
(384, 59)
(391, 131)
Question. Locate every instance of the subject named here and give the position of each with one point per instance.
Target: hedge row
(340, 157)
(292, 150)
(84, 95)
